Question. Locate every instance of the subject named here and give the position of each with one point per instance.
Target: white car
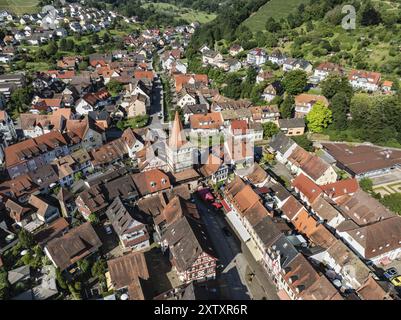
(108, 229)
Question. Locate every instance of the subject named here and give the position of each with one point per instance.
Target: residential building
(304, 103)
(78, 243)
(129, 225)
(292, 127)
(256, 57)
(191, 252)
(126, 275)
(30, 154)
(364, 80)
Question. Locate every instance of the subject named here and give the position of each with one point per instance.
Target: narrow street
(238, 263)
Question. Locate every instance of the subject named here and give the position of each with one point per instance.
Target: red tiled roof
(371, 77)
(307, 187)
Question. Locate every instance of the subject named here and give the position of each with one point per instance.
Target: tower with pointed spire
(179, 151)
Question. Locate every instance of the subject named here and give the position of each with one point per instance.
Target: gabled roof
(175, 209)
(151, 181)
(371, 290)
(187, 239)
(19, 152)
(378, 238)
(122, 217)
(310, 164)
(126, 272)
(362, 208)
(73, 246)
(257, 175)
(211, 166)
(371, 77)
(291, 207)
(307, 187)
(281, 143)
(212, 120)
(306, 98)
(267, 231)
(291, 123)
(123, 187)
(41, 204)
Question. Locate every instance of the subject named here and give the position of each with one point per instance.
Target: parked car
(217, 205)
(391, 273)
(108, 229)
(396, 281)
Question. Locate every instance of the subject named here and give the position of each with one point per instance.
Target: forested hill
(230, 16)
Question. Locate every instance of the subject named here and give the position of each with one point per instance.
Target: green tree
(366, 184)
(333, 84)
(392, 202)
(369, 15)
(272, 25)
(20, 99)
(60, 280)
(269, 129)
(84, 265)
(63, 44)
(295, 81)
(340, 108)
(95, 39)
(52, 48)
(78, 176)
(287, 107)
(304, 142)
(4, 285)
(99, 268)
(26, 239)
(106, 37)
(83, 65)
(114, 87)
(319, 117)
(93, 218)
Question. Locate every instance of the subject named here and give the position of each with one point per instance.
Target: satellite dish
(124, 296)
(24, 252)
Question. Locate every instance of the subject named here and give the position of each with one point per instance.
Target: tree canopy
(319, 117)
(295, 81)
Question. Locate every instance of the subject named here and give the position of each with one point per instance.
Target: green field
(19, 6)
(274, 8)
(184, 13)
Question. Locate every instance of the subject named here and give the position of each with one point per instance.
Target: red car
(206, 195)
(217, 205)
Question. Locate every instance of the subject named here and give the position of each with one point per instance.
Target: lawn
(274, 8)
(19, 6)
(182, 13)
(37, 66)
